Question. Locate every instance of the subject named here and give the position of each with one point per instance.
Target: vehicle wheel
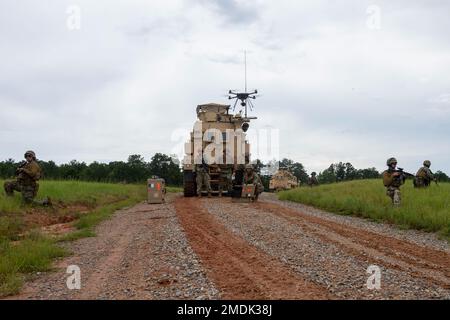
(190, 188)
(237, 185)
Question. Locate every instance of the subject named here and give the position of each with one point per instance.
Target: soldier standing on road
(225, 176)
(424, 176)
(202, 178)
(312, 181)
(251, 177)
(28, 175)
(392, 180)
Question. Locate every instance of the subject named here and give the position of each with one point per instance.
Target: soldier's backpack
(421, 173)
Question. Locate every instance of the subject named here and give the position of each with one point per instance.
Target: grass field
(424, 209)
(24, 248)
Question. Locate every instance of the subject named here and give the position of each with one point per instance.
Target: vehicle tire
(237, 185)
(189, 184)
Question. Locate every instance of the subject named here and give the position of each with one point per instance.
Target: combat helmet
(313, 173)
(391, 161)
(248, 166)
(427, 163)
(31, 153)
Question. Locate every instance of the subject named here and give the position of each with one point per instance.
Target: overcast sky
(356, 81)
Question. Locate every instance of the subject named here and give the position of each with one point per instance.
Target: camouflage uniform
(225, 177)
(312, 181)
(253, 178)
(392, 181)
(26, 181)
(424, 176)
(202, 178)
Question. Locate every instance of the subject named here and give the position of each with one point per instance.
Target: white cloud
(134, 73)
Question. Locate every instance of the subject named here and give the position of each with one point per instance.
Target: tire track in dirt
(139, 253)
(424, 262)
(239, 269)
(106, 268)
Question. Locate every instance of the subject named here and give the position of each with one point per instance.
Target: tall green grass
(73, 192)
(34, 252)
(424, 209)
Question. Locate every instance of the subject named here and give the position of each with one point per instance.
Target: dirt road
(205, 248)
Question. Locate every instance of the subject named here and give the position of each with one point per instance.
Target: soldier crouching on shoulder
(392, 180)
(251, 177)
(28, 175)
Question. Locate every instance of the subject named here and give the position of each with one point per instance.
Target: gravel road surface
(213, 248)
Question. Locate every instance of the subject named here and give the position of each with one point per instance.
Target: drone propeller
(235, 102)
(244, 97)
(251, 104)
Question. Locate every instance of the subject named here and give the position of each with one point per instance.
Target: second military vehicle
(283, 179)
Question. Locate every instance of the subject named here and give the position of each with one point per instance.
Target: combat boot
(209, 194)
(47, 202)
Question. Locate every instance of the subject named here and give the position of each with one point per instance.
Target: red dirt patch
(239, 269)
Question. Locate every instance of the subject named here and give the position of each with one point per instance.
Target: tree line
(134, 170)
(336, 172)
(137, 170)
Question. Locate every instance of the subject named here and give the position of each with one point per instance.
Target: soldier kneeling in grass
(28, 175)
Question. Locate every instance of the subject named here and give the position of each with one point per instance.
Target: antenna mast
(245, 97)
(245, 73)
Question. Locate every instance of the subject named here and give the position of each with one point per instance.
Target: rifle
(204, 165)
(435, 179)
(22, 164)
(405, 174)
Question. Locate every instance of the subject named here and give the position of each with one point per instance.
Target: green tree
(50, 170)
(163, 166)
(369, 173)
(118, 172)
(72, 170)
(340, 171)
(441, 176)
(137, 168)
(96, 172)
(258, 165)
(8, 168)
(350, 172)
(296, 168)
(328, 175)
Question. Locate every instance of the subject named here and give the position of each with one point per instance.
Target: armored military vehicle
(217, 125)
(283, 179)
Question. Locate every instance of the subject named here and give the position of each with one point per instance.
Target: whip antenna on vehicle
(245, 67)
(244, 97)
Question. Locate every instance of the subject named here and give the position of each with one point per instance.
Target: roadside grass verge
(33, 254)
(422, 209)
(174, 189)
(73, 192)
(24, 249)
